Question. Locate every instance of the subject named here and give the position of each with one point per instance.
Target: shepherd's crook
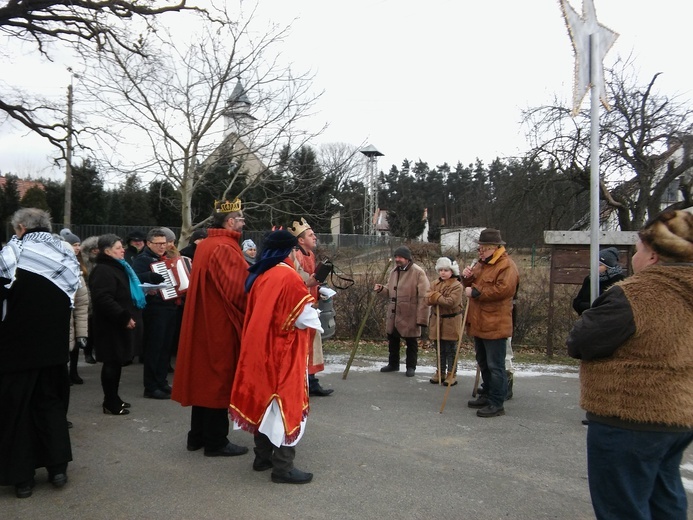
(438, 343)
(363, 322)
(459, 345)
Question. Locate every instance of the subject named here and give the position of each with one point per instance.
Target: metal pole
(594, 167)
(67, 211)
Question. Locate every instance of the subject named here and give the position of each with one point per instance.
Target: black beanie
(402, 251)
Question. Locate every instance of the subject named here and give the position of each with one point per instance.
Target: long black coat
(112, 309)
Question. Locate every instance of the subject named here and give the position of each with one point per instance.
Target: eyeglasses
(158, 243)
(239, 218)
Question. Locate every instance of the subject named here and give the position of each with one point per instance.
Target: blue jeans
(635, 474)
(490, 354)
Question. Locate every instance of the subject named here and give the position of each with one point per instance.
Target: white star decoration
(580, 29)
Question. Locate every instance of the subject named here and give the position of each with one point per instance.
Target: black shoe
(411, 372)
(123, 404)
(88, 358)
(262, 464)
(389, 368)
(230, 450)
(194, 447)
(25, 489)
(75, 379)
(319, 391)
(585, 422)
(490, 411)
(481, 391)
(479, 402)
(69, 424)
(167, 388)
(295, 476)
(116, 410)
(157, 394)
(58, 480)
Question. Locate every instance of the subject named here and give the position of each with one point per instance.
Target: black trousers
(393, 346)
(282, 457)
(33, 429)
(209, 427)
(159, 327)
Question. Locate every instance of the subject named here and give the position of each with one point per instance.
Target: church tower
(237, 117)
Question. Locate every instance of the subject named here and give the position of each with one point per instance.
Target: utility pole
(67, 208)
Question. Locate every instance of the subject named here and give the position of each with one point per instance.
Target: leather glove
(156, 278)
(81, 343)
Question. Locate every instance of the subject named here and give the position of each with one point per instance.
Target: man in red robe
(270, 395)
(305, 258)
(210, 336)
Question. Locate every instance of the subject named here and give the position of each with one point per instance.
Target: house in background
(22, 185)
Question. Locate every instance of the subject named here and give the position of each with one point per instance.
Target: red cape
(210, 335)
(307, 263)
(274, 353)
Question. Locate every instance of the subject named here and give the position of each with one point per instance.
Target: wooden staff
(459, 346)
(363, 322)
(476, 380)
(438, 343)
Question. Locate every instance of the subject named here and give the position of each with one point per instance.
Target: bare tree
(168, 105)
(645, 146)
(49, 25)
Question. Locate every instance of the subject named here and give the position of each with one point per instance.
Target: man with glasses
(210, 335)
(490, 286)
(159, 317)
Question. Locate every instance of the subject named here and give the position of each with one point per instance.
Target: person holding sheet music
(159, 318)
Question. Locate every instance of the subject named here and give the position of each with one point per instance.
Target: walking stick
(438, 343)
(476, 380)
(459, 346)
(363, 322)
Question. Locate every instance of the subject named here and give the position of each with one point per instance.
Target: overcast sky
(440, 81)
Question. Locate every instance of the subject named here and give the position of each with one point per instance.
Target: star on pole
(581, 28)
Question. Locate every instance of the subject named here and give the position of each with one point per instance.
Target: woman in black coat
(115, 297)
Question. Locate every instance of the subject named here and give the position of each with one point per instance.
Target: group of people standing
(490, 285)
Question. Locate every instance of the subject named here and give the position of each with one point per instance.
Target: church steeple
(237, 116)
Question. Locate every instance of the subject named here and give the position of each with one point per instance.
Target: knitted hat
(609, 256)
(69, 237)
(445, 263)
(403, 252)
(170, 235)
(198, 234)
(670, 235)
(490, 236)
(248, 244)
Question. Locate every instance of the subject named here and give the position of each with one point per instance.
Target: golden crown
(298, 227)
(224, 206)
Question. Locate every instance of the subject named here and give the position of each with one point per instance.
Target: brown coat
(407, 308)
(490, 313)
(445, 297)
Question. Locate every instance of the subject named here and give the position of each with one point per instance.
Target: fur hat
(609, 256)
(135, 234)
(402, 251)
(248, 244)
(670, 235)
(69, 237)
(445, 263)
(490, 236)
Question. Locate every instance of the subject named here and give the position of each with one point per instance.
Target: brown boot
(436, 378)
(451, 380)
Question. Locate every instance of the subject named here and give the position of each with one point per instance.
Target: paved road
(378, 446)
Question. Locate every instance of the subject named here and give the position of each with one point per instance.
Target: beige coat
(80, 312)
(407, 309)
(445, 297)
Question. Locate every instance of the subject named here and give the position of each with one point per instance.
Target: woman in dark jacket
(115, 296)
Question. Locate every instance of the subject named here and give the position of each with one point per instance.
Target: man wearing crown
(210, 336)
(305, 265)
